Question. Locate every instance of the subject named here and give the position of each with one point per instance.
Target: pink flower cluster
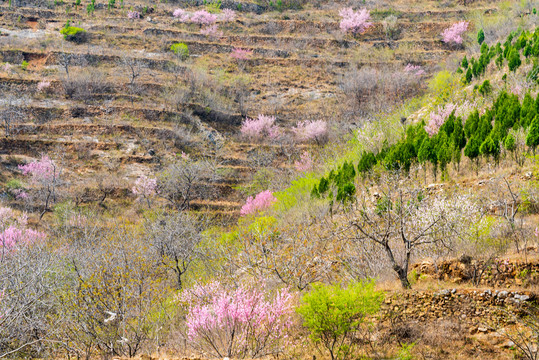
(227, 15)
(14, 231)
(77, 220)
(43, 85)
(355, 22)
(453, 34)
(305, 162)
(41, 171)
(242, 322)
(13, 236)
(145, 186)
(133, 15)
(414, 69)
(310, 130)
(261, 201)
(20, 194)
(181, 14)
(212, 31)
(260, 127)
(437, 119)
(241, 54)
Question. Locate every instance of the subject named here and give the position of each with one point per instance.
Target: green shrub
(24, 65)
(181, 50)
(74, 34)
(335, 315)
(480, 36)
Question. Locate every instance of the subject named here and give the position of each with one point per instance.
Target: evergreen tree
(464, 62)
(469, 76)
(472, 150)
(527, 111)
(490, 147)
(532, 140)
(514, 60)
(480, 36)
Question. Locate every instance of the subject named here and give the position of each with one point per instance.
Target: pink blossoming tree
(260, 202)
(259, 128)
(315, 130)
(355, 22)
(202, 17)
(241, 54)
(238, 323)
(181, 14)
(438, 118)
(305, 162)
(453, 34)
(133, 15)
(45, 175)
(43, 85)
(146, 188)
(414, 69)
(14, 231)
(227, 15)
(211, 31)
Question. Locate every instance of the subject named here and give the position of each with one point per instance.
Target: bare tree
(175, 238)
(133, 67)
(10, 113)
(403, 219)
(183, 181)
(65, 60)
(296, 256)
(28, 278)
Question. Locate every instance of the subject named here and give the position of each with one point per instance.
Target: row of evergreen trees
(525, 42)
(479, 136)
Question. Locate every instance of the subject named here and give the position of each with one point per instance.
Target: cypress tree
(532, 140)
(480, 36)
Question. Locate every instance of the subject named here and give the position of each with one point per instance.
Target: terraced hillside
(122, 104)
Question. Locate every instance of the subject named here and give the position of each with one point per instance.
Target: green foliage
(334, 314)
(485, 88)
(24, 65)
(213, 7)
(469, 76)
(339, 183)
(77, 2)
(366, 163)
(74, 34)
(90, 8)
(443, 84)
(514, 60)
(111, 4)
(510, 143)
(464, 62)
(181, 50)
(297, 192)
(405, 352)
(480, 36)
(532, 140)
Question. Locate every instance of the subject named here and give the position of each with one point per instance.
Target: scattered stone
(502, 294)
(508, 344)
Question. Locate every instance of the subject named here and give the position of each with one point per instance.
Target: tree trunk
(403, 276)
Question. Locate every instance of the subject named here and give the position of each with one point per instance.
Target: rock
(508, 344)
(528, 175)
(522, 297)
(482, 329)
(502, 294)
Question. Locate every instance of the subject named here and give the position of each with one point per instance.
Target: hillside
(222, 179)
